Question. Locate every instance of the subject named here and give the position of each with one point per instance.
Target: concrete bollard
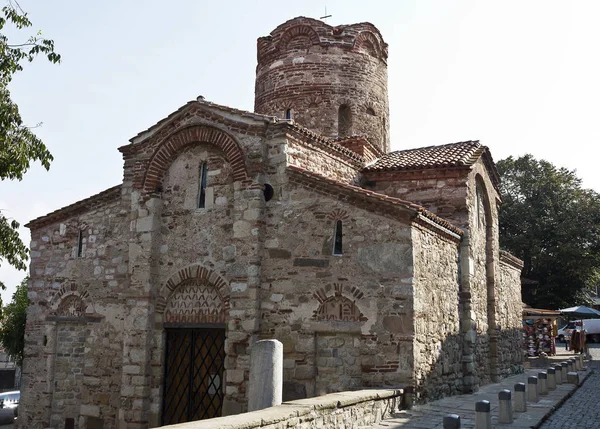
(581, 365)
(558, 374)
(483, 418)
(451, 421)
(564, 371)
(570, 366)
(505, 411)
(543, 382)
(266, 375)
(551, 378)
(520, 399)
(576, 364)
(532, 389)
(573, 378)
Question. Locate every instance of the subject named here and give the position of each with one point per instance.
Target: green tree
(19, 146)
(12, 324)
(553, 224)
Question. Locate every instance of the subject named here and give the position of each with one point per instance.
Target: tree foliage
(12, 324)
(19, 146)
(553, 224)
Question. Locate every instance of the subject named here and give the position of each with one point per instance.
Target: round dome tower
(332, 80)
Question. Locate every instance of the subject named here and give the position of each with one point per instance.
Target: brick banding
(195, 134)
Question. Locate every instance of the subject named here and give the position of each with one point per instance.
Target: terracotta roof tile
(459, 154)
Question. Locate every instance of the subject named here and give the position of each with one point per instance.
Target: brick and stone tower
(332, 80)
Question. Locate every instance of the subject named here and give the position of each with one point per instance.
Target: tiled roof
(422, 215)
(461, 154)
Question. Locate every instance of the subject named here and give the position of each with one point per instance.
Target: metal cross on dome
(325, 16)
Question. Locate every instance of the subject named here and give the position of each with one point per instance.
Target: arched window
(344, 121)
(202, 186)
(80, 244)
(337, 238)
(288, 114)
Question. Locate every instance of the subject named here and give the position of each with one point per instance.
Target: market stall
(539, 331)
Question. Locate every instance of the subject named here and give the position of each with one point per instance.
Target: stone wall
(73, 343)
(344, 319)
(312, 70)
(441, 192)
(437, 340)
(362, 408)
(509, 313)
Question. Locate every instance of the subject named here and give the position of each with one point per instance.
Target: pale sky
(521, 76)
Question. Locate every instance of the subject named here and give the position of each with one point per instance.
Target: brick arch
(164, 154)
(368, 42)
(298, 31)
(195, 272)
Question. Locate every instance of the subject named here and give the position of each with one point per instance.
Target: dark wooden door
(194, 366)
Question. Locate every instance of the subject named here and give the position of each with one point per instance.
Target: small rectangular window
(202, 186)
(337, 239)
(80, 244)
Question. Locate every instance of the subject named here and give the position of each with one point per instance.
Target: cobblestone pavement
(582, 410)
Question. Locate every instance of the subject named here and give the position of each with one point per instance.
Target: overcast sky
(520, 76)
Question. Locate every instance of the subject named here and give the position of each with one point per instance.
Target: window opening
(288, 114)
(337, 240)
(202, 190)
(268, 192)
(344, 121)
(80, 244)
(370, 111)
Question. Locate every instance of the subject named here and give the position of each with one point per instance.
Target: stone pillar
(451, 421)
(551, 378)
(532, 389)
(573, 378)
(266, 375)
(564, 371)
(138, 304)
(483, 418)
(467, 319)
(520, 399)
(505, 412)
(543, 383)
(558, 374)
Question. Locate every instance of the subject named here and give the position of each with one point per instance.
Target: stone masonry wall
(73, 341)
(483, 252)
(345, 320)
(319, 161)
(445, 196)
(362, 408)
(509, 313)
(437, 339)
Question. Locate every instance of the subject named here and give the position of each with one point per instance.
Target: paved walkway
(430, 416)
(582, 410)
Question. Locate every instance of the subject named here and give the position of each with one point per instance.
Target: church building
(295, 222)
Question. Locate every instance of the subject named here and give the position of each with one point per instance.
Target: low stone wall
(335, 410)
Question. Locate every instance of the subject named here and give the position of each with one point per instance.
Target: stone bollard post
(573, 378)
(483, 418)
(576, 364)
(532, 389)
(520, 399)
(558, 374)
(266, 375)
(581, 361)
(451, 421)
(543, 383)
(564, 371)
(505, 412)
(551, 378)
(570, 366)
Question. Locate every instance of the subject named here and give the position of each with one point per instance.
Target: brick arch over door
(194, 274)
(166, 152)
